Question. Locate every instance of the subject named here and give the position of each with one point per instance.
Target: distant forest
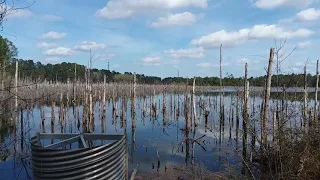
(64, 72)
(38, 72)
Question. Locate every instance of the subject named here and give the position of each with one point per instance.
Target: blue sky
(160, 37)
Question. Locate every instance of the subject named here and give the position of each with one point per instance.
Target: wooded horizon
(61, 72)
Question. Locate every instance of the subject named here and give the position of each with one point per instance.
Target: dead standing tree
(245, 110)
(305, 104)
(316, 96)
(280, 57)
(194, 104)
(265, 119)
(221, 90)
(89, 88)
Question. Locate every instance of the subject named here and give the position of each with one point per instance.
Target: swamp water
(215, 145)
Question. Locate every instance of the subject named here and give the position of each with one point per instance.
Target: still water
(218, 146)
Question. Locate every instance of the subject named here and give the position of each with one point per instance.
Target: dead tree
(221, 90)
(305, 104)
(266, 100)
(194, 103)
(16, 86)
(316, 95)
(245, 108)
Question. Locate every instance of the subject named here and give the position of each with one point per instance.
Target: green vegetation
(38, 72)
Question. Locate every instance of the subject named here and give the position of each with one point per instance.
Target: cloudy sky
(160, 37)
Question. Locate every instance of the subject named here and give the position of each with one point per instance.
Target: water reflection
(159, 128)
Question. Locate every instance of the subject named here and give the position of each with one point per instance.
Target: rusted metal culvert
(61, 160)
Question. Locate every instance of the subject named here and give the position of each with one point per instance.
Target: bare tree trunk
(274, 128)
(194, 103)
(75, 72)
(85, 102)
(74, 84)
(186, 108)
(144, 106)
(246, 95)
(221, 90)
(316, 95)
(16, 109)
(134, 93)
(305, 107)
(90, 90)
(164, 108)
(245, 111)
(154, 103)
(266, 100)
(237, 108)
(134, 114)
(90, 105)
(53, 104)
(104, 96)
(277, 80)
(16, 86)
(151, 105)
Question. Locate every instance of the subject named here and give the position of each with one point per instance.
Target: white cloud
(210, 65)
(87, 45)
(44, 45)
(271, 4)
(52, 18)
(17, 13)
(154, 61)
(310, 14)
(304, 45)
(59, 51)
(121, 9)
(181, 19)
(230, 39)
(53, 35)
(215, 39)
(243, 61)
(186, 53)
(273, 31)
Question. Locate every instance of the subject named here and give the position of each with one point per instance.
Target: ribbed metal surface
(107, 161)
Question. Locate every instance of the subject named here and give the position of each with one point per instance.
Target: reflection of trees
(184, 145)
(133, 128)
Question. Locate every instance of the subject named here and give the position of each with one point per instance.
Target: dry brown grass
(182, 173)
(295, 158)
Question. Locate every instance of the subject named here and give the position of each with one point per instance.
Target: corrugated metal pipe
(54, 161)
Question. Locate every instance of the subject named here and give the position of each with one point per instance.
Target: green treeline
(38, 72)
